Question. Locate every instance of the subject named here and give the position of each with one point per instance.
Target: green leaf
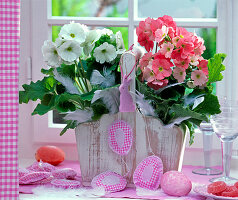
(67, 70)
(99, 109)
(36, 90)
(191, 131)
(64, 102)
(47, 71)
(180, 111)
(215, 67)
(70, 125)
(41, 109)
(210, 105)
(88, 96)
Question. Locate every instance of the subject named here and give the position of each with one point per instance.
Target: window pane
(177, 8)
(90, 8)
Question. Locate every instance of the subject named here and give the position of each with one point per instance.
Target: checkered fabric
(120, 137)
(110, 181)
(9, 63)
(148, 173)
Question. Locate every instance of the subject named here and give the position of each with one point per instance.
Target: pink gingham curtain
(9, 63)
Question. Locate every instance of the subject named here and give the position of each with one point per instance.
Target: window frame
(226, 25)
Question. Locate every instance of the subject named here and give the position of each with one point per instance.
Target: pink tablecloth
(131, 192)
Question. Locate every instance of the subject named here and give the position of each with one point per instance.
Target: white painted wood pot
(149, 135)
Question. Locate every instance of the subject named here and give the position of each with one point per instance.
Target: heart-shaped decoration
(63, 183)
(148, 173)
(22, 172)
(120, 137)
(110, 181)
(66, 173)
(33, 177)
(41, 166)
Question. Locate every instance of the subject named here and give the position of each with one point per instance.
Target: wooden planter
(149, 135)
(95, 155)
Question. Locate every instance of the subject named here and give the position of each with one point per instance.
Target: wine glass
(225, 126)
(207, 132)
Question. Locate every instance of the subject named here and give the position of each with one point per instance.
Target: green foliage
(37, 90)
(215, 67)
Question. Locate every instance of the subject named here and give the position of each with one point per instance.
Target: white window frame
(226, 24)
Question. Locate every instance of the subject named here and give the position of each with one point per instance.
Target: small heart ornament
(65, 184)
(148, 173)
(120, 137)
(110, 181)
(66, 173)
(41, 166)
(33, 177)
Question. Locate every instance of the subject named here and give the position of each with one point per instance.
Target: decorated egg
(148, 173)
(63, 183)
(120, 137)
(33, 177)
(175, 183)
(66, 173)
(110, 181)
(50, 154)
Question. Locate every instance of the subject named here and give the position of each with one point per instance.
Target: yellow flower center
(104, 51)
(168, 49)
(181, 36)
(161, 69)
(69, 49)
(181, 73)
(198, 76)
(72, 35)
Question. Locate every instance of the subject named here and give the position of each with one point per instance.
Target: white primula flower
(50, 54)
(59, 41)
(105, 53)
(105, 31)
(70, 51)
(73, 31)
(89, 43)
(120, 43)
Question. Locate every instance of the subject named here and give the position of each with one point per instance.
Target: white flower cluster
(75, 39)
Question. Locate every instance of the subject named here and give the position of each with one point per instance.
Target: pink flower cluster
(171, 50)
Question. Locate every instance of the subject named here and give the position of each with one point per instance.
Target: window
(216, 21)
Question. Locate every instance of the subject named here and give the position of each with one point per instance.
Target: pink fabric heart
(120, 137)
(33, 177)
(148, 173)
(110, 181)
(66, 173)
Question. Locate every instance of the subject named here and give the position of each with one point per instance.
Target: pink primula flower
(157, 84)
(194, 60)
(175, 40)
(144, 61)
(203, 66)
(199, 47)
(179, 74)
(182, 32)
(186, 46)
(144, 41)
(198, 77)
(160, 34)
(183, 63)
(168, 21)
(148, 74)
(167, 49)
(162, 68)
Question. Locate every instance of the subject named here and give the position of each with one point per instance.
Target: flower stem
(86, 84)
(77, 81)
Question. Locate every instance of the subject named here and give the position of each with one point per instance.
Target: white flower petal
(74, 31)
(50, 54)
(105, 53)
(70, 51)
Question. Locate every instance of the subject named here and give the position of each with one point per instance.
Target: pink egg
(175, 183)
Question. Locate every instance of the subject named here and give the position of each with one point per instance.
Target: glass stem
(207, 147)
(226, 156)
